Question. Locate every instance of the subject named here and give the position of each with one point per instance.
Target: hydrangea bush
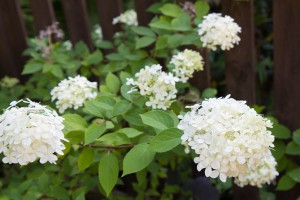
(124, 122)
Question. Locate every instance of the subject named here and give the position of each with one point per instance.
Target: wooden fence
(240, 62)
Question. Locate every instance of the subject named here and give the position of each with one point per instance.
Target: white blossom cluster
(186, 63)
(9, 82)
(264, 173)
(30, 133)
(129, 17)
(97, 33)
(72, 92)
(229, 137)
(216, 30)
(157, 85)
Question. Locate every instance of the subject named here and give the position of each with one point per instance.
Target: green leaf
(113, 83)
(93, 132)
(115, 57)
(59, 192)
(181, 22)
(209, 93)
(85, 159)
(202, 9)
(114, 139)
(285, 183)
(166, 140)
(57, 72)
(279, 149)
(92, 108)
(124, 76)
(31, 67)
(161, 42)
(292, 148)
(175, 40)
(171, 10)
(295, 175)
(280, 131)
(93, 58)
(144, 42)
(105, 45)
(108, 172)
(81, 49)
(74, 122)
(296, 136)
(130, 132)
(100, 107)
(158, 119)
(138, 158)
(143, 31)
(121, 107)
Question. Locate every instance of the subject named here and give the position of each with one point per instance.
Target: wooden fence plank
(286, 61)
(202, 79)
(240, 69)
(77, 21)
(240, 61)
(286, 21)
(107, 10)
(43, 13)
(143, 16)
(12, 38)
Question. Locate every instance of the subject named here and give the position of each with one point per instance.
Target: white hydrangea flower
(264, 173)
(97, 33)
(186, 63)
(129, 17)
(228, 136)
(9, 82)
(30, 133)
(67, 45)
(216, 30)
(72, 92)
(159, 86)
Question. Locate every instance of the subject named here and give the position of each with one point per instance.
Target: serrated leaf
(171, 10)
(121, 107)
(166, 140)
(280, 131)
(292, 148)
(143, 31)
(202, 9)
(144, 42)
(31, 67)
(57, 72)
(85, 158)
(279, 149)
(74, 122)
(158, 119)
(209, 93)
(124, 76)
(138, 158)
(130, 132)
(285, 183)
(113, 83)
(296, 136)
(114, 139)
(108, 172)
(295, 175)
(93, 132)
(93, 58)
(161, 42)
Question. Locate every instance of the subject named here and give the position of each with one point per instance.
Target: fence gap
(43, 13)
(107, 10)
(240, 69)
(12, 38)
(77, 21)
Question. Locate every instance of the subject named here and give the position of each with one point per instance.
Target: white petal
(208, 171)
